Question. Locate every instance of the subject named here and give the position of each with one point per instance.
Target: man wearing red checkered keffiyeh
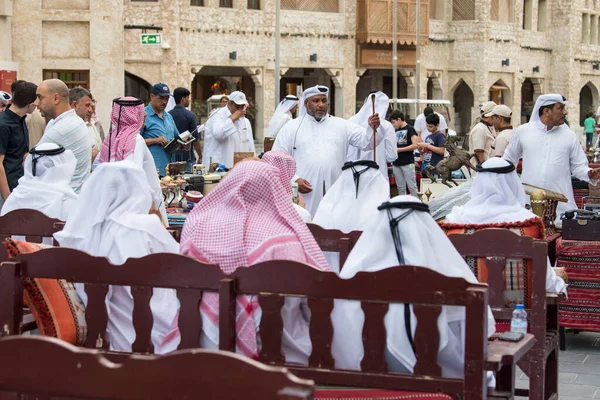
(247, 219)
(287, 169)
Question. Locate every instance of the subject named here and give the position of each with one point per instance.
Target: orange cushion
(377, 394)
(54, 303)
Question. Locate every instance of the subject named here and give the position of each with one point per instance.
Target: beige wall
(86, 34)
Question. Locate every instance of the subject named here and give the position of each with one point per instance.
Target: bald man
(65, 128)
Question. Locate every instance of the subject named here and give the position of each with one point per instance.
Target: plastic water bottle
(518, 323)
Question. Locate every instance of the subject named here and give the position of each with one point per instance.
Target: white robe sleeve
(362, 138)
(391, 152)
(579, 163)
(223, 129)
(514, 151)
(285, 142)
(280, 123)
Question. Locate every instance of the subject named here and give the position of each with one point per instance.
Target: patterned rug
(581, 260)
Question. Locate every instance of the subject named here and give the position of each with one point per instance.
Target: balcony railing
(375, 17)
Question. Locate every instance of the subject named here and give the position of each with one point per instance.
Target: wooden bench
(496, 246)
(335, 240)
(32, 224)
(48, 367)
(274, 280)
(428, 291)
(188, 276)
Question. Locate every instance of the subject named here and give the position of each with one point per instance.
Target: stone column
(170, 23)
(107, 69)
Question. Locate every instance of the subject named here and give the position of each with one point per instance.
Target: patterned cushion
(376, 394)
(54, 303)
(515, 273)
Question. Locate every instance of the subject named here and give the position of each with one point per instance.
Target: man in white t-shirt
(65, 128)
(421, 126)
(81, 101)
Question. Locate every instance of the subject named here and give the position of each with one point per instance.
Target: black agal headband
(36, 154)
(355, 173)
(497, 170)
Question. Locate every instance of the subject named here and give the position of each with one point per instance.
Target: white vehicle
(408, 107)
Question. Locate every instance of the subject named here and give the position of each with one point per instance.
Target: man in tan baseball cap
(501, 119)
(483, 135)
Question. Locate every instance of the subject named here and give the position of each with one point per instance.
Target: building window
(542, 15)
(311, 5)
(72, 78)
(226, 3)
(198, 3)
(528, 14)
(437, 9)
(585, 28)
(502, 10)
(253, 4)
(463, 10)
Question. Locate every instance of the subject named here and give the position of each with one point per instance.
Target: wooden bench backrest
(335, 240)
(496, 246)
(50, 367)
(188, 276)
(32, 224)
(427, 291)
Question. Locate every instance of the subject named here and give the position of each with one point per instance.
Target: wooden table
(502, 358)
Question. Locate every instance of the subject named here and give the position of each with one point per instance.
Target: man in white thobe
(358, 192)
(386, 150)
(319, 143)
(551, 151)
(283, 114)
(228, 131)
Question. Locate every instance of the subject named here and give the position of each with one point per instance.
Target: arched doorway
(527, 100)
(295, 80)
(463, 101)
(500, 93)
(137, 87)
(588, 97)
(211, 80)
(434, 88)
(379, 79)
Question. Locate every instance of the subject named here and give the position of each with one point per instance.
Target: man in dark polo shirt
(185, 120)
(14, 137)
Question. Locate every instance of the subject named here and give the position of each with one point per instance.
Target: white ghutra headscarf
(546, 100)
(420, 242)
(496, 197)
(285, 105)
(310, 92)
(49, 190)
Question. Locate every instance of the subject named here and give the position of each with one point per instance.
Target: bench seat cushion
(54, 303)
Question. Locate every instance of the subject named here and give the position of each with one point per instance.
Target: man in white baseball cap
(483, 135)
(228, 131)
(501, 119)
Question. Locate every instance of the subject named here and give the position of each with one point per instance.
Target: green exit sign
(151, 39)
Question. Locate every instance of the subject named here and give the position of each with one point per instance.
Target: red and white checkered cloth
(126, 122)
(248, 218)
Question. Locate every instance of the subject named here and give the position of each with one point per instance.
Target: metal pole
(418, 67)
(277, 64)
(395, 54)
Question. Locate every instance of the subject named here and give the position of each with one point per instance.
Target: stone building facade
(472, 50)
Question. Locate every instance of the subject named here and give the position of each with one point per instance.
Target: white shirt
(320, 149)
(550, 158)
(70, 132)
(281, 121)
(94, 136)
(502, 141)
(223, 137)
(386, 151)
(421, 125)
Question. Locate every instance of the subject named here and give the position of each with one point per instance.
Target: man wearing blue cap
(159, 127)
